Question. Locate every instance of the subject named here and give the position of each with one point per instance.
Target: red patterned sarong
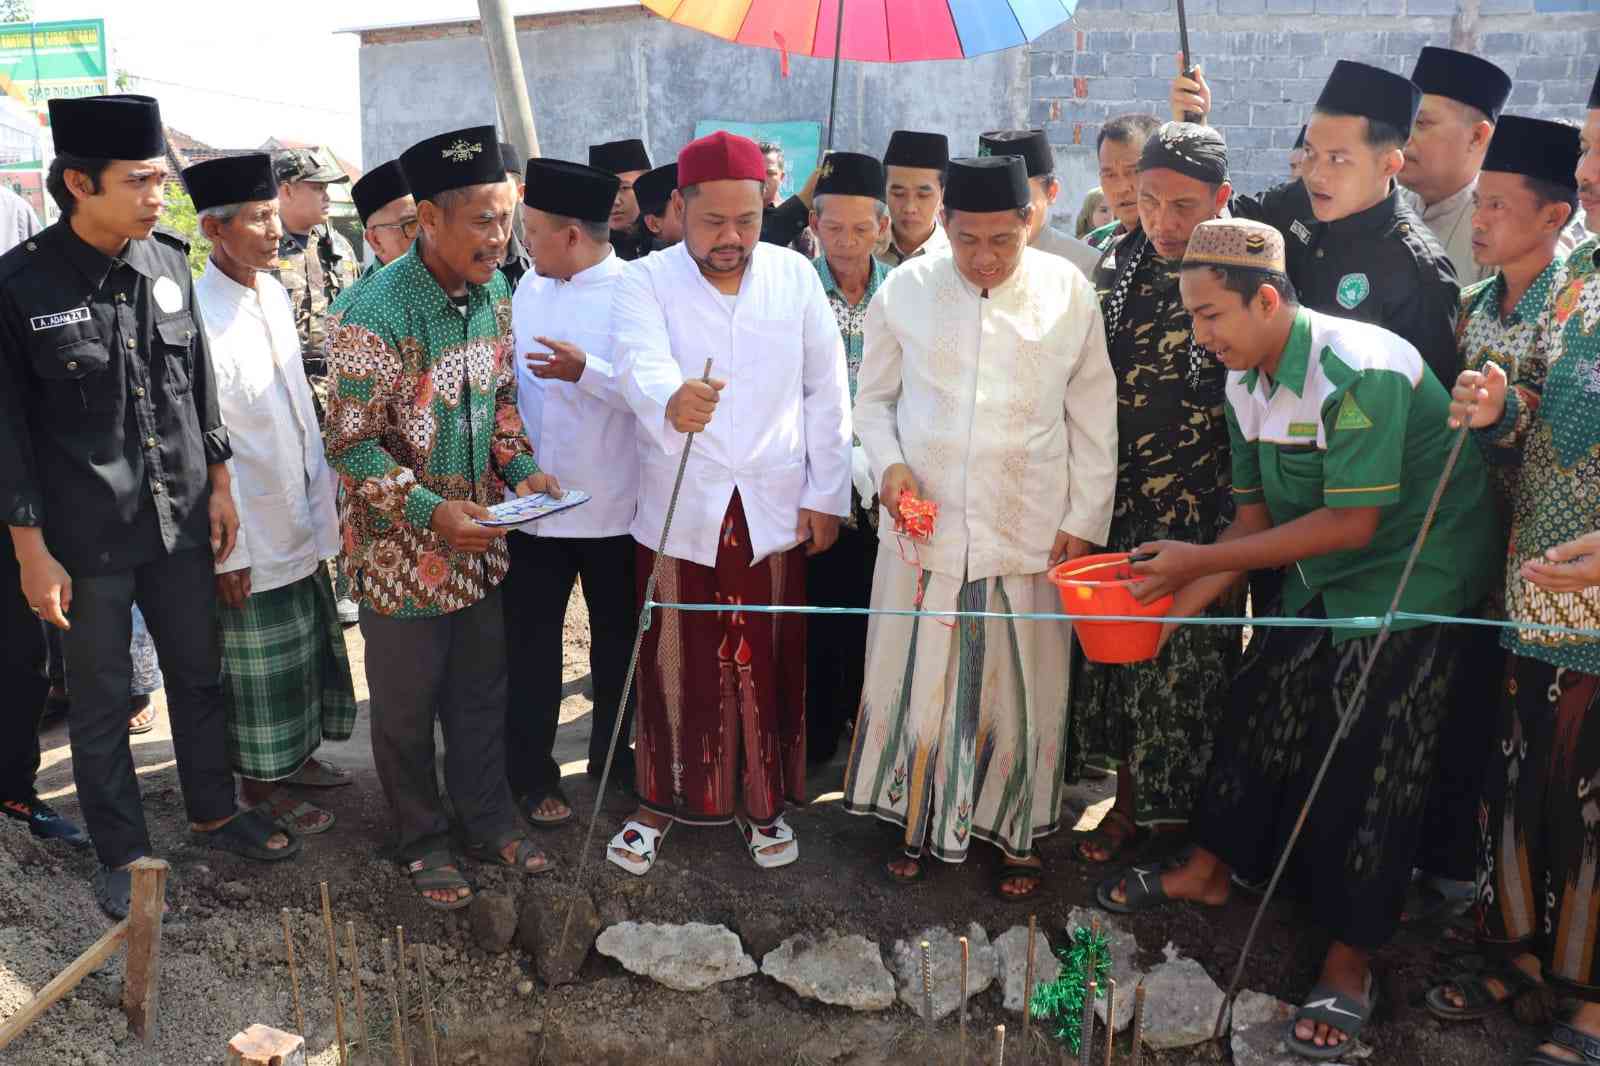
(722, 698)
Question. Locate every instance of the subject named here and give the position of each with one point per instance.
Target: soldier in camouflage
(315, 263)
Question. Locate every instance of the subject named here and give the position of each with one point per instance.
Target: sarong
(1352, 862)
(962, 721)
(721, 720)
(285, 677)
(1539, 875)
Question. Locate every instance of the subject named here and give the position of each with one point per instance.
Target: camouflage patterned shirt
(1173, 473)
(314, 277)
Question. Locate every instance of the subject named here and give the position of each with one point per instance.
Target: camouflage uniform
(316, 275)
(1174, 482)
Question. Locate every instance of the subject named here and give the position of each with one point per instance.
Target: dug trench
(224, 963)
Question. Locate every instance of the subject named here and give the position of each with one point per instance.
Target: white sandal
(639, 840)
(757, 839)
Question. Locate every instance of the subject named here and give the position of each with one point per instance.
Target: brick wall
(1266, 61)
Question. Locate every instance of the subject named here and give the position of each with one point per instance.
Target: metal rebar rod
(1111, 1017)
(966, 956)
(427, 1007)
(333, 974)
(1027, 983)
(927, 984)
(397, 1030)
(1086, 1029)
(294, 974)
(400, 982)
(999, 1045)
(833, 95)
(357, 993)
(1138, 1023)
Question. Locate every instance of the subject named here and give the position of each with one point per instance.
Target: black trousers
(22, 654)
(453, 665)
(1450, 832)
(177, 595)
(536, 592)
(836, 645)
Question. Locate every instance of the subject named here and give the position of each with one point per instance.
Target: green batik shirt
(423, 409)
(1551, 427)
(850, 316)
(1354, 418)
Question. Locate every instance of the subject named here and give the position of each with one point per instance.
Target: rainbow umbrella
(875, 31)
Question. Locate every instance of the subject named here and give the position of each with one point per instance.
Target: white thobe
(582, 432)
(1081, 254)
(283, 486)
(780, 435)
(1004, 406)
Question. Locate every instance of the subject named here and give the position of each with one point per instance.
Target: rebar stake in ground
(1111, 1017)
(1027, 984)
(397, 1028)
(294, 974)
(427, 1008)
(358, 997)
(927, 984)
(999, 1045)
(1138, 1023)
(401, 984)
(966, 957)
(333, 974)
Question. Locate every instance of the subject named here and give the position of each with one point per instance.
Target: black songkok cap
(1191, 149)
(1465, 78)
(654, 189)
(619, 157)
(1372, 93)
(511, 158)
(378, 188)
(108, 127)
(455, 160)
(1032, 145)
(909, 148)
(571, 190)
(1535, 148)
(1594, 93)
(230, 179)
(851, 174)
(992, 183)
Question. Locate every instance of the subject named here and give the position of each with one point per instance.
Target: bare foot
(1346, 971)
(553, 809)
(905, 869)
(448, 895)
(1025, 880)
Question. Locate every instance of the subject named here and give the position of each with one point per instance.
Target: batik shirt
(1487, 336)
(850, 316)
(1552, 420)
(423, 410)
(1173, 474)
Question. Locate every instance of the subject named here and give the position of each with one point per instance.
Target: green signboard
(40, 60)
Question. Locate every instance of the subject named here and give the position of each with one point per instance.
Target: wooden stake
(404, 985)
(64, 982)
(999, 1045)
(966, 952)
(927, 983)
(141, 979)
(294, 974)
(1111, 1017)
(1138, 1023)
(357, 993)
(397, 1030)
(427, 1008)
(333, 975)
(1027, 983)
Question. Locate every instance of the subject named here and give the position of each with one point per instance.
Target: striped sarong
(285, 676)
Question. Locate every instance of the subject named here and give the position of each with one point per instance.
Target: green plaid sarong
(285, 677)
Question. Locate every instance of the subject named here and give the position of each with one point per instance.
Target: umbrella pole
(833, 98)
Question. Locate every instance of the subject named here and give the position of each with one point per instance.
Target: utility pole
(505, 63)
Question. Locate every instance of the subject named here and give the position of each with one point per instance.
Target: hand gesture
(818, 531)
(564, 361)
(224, 525)
(1479, 398)
(47, 587)
(1570, 567)
(233, 588)
(537, 483)
(1067, 547)
(1190, 94)
(1174, 565)
(691, 407)
(896, 480)
(459, 522)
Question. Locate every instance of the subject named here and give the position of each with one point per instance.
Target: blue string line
(1363, 622)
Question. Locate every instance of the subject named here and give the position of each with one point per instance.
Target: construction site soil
(223, 965)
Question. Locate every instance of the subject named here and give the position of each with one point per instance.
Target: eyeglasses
(406, 226)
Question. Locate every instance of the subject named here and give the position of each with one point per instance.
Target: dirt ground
(224, 964)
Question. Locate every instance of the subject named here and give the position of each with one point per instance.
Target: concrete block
(1269, 115)
(1555, 43)
(1236, 113)
(1041, 64)
(1524, 94)
(1493, 45)
(1154, 90)
(1111, 89)
(1063, 38)
(1353, 42)
(1105, 42)
(1058, 87)
(1161, 43)
(1341, 7)
(1386, 7)
(1430, 7)
(1307, 44)
(1090, 63)
(1242, 7)
(1147, 7)
(1204, 42)
(1129, 65)
(1291, 7)
(1041, 112)
(1302, 91)
(1242, 137)
(1278, 67)
(1543, 68)
(1559, 93)
(1317, 68)
(1505, 7)
(1409, 44)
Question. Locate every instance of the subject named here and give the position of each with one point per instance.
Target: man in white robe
(721, 712)
(986, 389)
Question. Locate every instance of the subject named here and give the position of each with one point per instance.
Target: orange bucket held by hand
(1100, 584)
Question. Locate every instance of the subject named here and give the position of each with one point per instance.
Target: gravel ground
(223, 959)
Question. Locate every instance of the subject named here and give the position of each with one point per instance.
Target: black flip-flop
(905, 879)
(1562, 1035)
(1010, 871)
(246, 835)
(1336, 1010)
(1478, 1000)
(435, 872)
(1141, 891)
(1115, 845)
(113, 890)
(490, 853)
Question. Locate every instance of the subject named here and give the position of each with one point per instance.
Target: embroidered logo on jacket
(1353, 288)
(59, 319)
(1351, 416)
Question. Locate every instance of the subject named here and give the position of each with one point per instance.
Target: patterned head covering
(1236, 242)
(1189, 148)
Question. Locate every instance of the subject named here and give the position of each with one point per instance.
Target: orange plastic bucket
(1099, 584)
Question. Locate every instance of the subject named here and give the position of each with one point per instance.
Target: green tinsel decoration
(1061, 1001)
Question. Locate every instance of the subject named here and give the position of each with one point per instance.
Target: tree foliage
(16, 10)
(180, 216)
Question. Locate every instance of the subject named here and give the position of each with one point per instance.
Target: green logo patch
(1302, 429)
(1353, 288)
(1351, 416)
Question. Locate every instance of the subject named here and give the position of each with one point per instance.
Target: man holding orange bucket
(985, 388)
(1338, 441)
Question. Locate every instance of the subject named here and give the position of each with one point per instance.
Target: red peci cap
(720, 156)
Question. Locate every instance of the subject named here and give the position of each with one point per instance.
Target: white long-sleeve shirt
(282, 484)
(1003, 406)
(781, 432)
(583, 431)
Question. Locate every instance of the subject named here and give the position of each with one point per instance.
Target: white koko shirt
(1004, 406)
(781, 431)
(282, 484)
(583, 431)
